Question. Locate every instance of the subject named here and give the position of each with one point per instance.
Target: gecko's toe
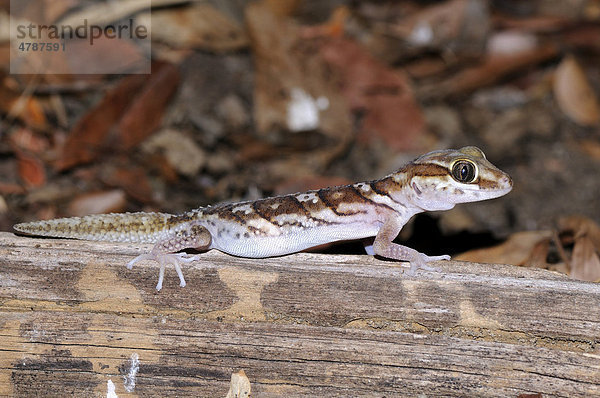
(437, 258)
(175, 259)
(414, 266)
(139, 258)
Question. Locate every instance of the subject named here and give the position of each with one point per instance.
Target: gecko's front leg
(385, 247)
(187, 236)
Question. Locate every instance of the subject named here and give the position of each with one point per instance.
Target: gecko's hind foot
(176, 259)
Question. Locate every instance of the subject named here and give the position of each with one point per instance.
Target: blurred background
(248, 99)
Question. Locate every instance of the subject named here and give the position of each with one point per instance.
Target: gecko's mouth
(500, 187)
(504, 187)
(496, 193)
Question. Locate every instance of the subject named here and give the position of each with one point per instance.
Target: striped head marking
(438, 180)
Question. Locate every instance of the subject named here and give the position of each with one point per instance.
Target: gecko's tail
(115, 227)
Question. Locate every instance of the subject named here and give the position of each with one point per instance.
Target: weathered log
(73, 317)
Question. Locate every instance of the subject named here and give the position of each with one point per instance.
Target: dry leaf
(384, 95)
(574, 95)
(87, 139)
(7, 188)
(180, 150)
(491, 70)
(31, 169)
(517, 249)
(29, 141)
(585, 37)
(145, 113)
(132, 180)
(198, 26)
(585, 264)
(581, 226)
(533, 23)
(538, 255)
(136, 104)
(283, 8)
(590, 147)
(21, 106)
(106, 56)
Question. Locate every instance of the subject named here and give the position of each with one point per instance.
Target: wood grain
(72, 317)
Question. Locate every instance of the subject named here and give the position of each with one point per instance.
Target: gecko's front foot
(420, 260)
(176, 259)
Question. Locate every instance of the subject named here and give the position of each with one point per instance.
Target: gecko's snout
(506, 182)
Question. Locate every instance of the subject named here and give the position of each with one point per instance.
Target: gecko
(286, 224)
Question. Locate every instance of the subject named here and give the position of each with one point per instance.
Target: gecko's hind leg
(186, 236)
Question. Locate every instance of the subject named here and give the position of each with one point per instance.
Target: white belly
(292, 241)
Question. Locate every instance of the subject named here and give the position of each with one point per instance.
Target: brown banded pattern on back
(335, 197)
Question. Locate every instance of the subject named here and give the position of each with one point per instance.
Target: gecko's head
(438, 180)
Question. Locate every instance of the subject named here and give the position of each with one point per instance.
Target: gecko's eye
(464, 171)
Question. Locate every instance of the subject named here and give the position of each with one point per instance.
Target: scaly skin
(290, 223)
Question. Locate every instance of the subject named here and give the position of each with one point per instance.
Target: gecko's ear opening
(415, 188)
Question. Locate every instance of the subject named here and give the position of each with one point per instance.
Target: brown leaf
(105, 56)
(585, 232)
(581, 226)
(283, 8)
(518, 249)
(146, 110)
(585, 37)
(132, 180)
(585, 264)
(89, 136)
(29, 141)
(384, 95)
(532, 23)
(81, 55)
(491, 70)
(574, 95)
(7, 188)
(180, 150)
(21, 106)
(590, 147)
(5, 55)
(136, 104)
(538, 255)
(31, 169)
(424, 67)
